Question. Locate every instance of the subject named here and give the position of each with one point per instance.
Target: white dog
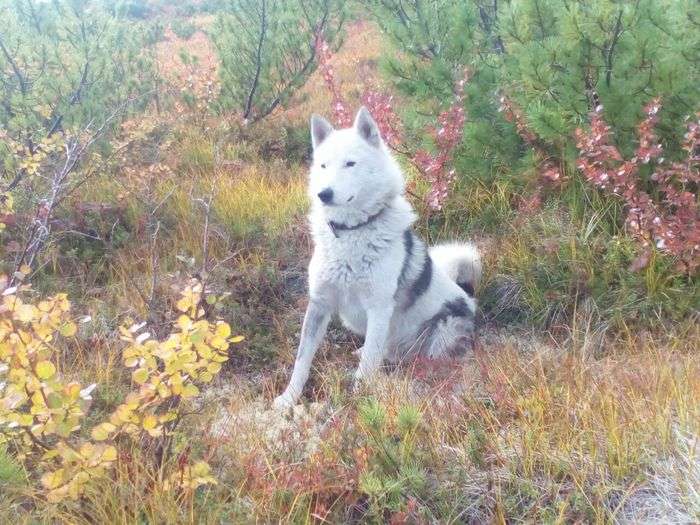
(369, 267)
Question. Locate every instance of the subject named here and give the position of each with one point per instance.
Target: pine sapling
(548, 165)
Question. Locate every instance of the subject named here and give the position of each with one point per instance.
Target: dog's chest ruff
(359, 262)
(353, 256)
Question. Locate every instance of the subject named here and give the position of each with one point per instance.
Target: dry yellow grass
(523, 431)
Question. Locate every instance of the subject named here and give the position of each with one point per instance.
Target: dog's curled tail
(461, 262)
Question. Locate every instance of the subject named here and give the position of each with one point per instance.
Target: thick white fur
(459, 260)
(366, 272)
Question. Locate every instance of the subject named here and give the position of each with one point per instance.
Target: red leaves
(436, 167)
(671, 222)
(380, 106)
(549, 168)
(342, 116)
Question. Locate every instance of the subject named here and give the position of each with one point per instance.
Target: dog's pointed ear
(367, 127)
(320, 129)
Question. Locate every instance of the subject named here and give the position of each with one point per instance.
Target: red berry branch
(381, 107)
(379, 104)
(549, 166)
(342, 116)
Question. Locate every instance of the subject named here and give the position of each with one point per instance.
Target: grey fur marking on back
(422, 283)
(468, 288)
(455, 308)
(408, 246)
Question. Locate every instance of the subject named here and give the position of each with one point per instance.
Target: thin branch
(15, 68)
(258, 60)
(609, 57)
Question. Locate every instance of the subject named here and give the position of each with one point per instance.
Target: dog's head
(353, 175)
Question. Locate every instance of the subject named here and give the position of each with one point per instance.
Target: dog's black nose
(326, 196)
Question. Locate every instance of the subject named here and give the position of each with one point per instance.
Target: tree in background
(267, 50)
(563, 59)
(556, 60)
(438, 39)
(69, 73)
(553, 62)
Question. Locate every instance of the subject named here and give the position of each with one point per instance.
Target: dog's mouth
(350, 198)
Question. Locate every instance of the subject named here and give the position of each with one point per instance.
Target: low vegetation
(153, 252)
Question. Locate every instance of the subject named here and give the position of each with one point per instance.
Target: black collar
(339, 226)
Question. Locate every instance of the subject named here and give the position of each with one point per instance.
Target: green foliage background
(67, 66)
(266, 49)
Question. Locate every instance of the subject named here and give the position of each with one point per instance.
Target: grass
(525, 430)
(259, 204)
(582, 403)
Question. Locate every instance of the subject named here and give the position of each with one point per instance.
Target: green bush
(557, 59)
(564, 58)
(183, 28)
(65, 68)
(267, 50)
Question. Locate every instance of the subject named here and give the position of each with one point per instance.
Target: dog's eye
(323, 166)
(350, 164)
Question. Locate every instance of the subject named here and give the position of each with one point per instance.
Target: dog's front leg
(374, 350)
(312, 331)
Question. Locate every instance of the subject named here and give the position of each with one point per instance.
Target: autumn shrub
(562, 59)
(557, 60)
(102, 66)
(545, 64)
(667, 217)
(42, 411)
(434, 164)
(69, 76)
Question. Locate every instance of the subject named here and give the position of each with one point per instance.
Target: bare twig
(609, 54)
(154, 265)
(23, 86)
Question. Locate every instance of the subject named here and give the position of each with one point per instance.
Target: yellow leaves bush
(30, 159)
(33, 396)
(41, 413)
(191, 477)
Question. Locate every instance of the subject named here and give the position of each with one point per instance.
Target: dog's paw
(283, 402)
